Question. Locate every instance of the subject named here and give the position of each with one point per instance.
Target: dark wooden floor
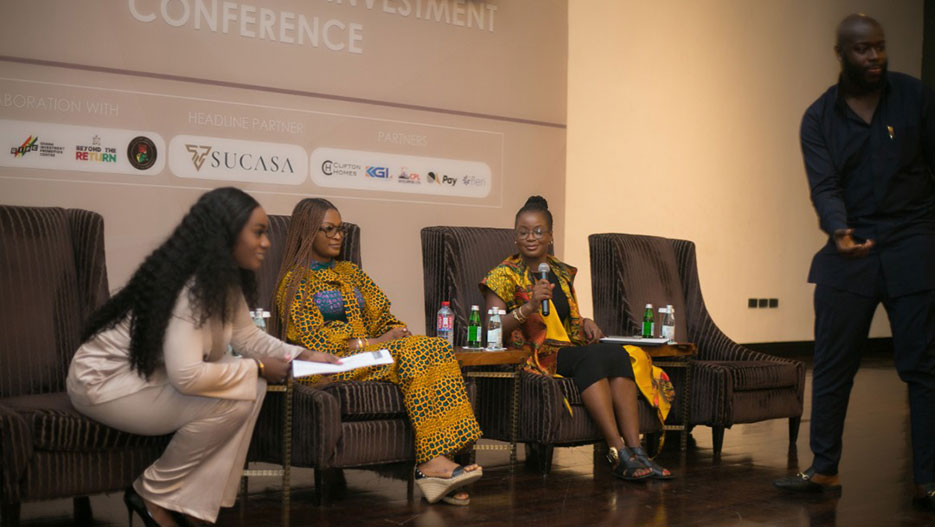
(732, 491)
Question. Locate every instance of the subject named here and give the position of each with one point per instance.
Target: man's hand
(844, 239)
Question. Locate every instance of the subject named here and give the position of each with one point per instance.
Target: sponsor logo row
(140, 151)
(67, 147)
(401, 175)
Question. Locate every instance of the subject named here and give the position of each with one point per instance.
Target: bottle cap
(446, 303)
(474, 307)
(649, 306)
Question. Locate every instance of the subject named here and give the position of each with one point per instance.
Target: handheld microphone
(544, 275)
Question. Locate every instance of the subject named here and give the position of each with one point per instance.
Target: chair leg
(329, 483)
(794, 423)
(9, 515)
(539, 457)
(717, 435)
(82, 510)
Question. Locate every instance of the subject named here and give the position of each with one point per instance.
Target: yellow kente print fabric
(425, 369)
(511, 283)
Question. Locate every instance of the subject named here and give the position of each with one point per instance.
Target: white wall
(683, 122)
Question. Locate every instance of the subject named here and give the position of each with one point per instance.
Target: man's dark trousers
(842, 323)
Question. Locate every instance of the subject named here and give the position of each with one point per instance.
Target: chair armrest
(541, 404)
(316, 427)
(16, 449)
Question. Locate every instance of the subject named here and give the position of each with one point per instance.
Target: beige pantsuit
(210, 399)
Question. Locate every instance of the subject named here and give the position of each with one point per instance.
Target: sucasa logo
(378, 172)
(199, 153)
(250, 162)
(142, 152)
(31, 144)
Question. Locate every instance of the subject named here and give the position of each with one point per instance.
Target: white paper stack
(302, 368)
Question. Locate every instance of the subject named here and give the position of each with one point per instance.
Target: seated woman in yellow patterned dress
(329, 304)
(565, 344)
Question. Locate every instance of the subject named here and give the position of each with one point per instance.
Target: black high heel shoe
(136, 504)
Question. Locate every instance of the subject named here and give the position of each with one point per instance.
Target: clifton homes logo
(199, 153)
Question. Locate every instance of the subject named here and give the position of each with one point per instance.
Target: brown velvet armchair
(454, 260)
(53, 275)
(732, 384)
(346, 424)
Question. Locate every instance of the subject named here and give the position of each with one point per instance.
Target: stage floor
(735, 490)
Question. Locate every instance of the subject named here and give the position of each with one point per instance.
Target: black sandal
(626, 464)
(657, 471)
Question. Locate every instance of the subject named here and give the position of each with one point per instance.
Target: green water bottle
(649, 322)
(473, 340)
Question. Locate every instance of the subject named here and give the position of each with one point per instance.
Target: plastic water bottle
(474, 335)
(259, 318)
(444, 324)
(649, 322)
(494, 329)
(668, 323)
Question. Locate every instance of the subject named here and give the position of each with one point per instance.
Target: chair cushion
(365, 400)
(55, 425)
(759, 374)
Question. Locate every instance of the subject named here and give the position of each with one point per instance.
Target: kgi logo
(378, 172)
(199, 153)
(327, 168)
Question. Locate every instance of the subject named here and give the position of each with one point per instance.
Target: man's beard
(856, 76)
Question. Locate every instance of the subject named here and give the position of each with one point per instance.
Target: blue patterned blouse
(331, 303)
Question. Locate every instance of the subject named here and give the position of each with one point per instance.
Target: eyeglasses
(332, 231)
(536, 233)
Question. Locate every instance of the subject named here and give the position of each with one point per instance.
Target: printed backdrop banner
(404, 113)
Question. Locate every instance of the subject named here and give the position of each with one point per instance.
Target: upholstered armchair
(346, 424)
(732, 384)
(53, 275)
(454, 260)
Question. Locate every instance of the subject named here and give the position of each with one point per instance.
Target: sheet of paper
(301, 368)
(635, 340)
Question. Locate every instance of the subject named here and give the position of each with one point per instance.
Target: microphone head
(543, 267)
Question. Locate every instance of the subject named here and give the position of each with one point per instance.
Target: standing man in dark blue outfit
(869, 147)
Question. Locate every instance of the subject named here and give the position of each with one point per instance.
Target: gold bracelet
(518, 314)
(366, 342)
(259, 366)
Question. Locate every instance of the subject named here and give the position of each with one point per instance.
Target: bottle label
(443, 322)
(473, 334)
(668, 332)
(493, 339)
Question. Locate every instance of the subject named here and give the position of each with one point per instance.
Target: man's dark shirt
(876, 179)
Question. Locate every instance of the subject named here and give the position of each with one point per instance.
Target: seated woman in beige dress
(155, 360)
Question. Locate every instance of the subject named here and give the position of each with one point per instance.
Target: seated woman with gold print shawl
(329, 304)
(565, 344)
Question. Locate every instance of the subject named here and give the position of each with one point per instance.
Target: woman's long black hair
(199, 250)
